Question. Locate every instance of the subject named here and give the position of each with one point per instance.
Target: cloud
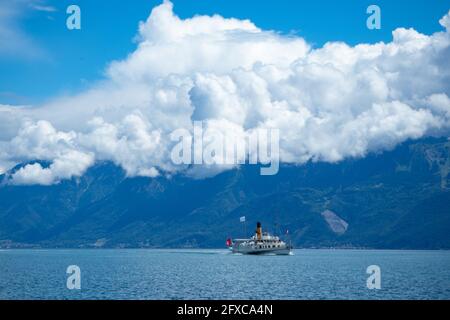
(71, 164)
(40, 140)
(41, 7)
(329, 103)
(169, 45)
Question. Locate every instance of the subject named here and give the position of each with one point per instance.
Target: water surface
(218, 274)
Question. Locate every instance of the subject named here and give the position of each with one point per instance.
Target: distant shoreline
(190, 249)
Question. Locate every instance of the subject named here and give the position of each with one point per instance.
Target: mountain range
(398, 199)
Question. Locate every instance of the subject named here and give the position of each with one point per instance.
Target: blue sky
(55, 61)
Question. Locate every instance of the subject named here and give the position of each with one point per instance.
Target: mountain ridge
(396, 199)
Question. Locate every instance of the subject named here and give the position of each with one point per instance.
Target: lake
(219, 274)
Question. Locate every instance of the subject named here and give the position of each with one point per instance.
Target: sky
(47, 59)
(123, 87)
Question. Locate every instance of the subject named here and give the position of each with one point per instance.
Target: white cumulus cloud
(329, 103)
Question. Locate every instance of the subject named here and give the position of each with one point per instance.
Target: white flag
(242, 219)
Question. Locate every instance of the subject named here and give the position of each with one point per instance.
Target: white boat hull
(252, 248)
(285, 251)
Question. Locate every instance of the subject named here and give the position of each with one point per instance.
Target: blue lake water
(218, 274)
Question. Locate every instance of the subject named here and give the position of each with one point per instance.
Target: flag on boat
(242, 219)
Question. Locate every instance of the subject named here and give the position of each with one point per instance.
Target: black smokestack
(258, 231)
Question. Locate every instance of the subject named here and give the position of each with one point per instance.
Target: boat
(260, 243)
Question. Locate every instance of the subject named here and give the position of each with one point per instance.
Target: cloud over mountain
(329, 103)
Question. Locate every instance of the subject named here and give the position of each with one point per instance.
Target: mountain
(395, 199)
